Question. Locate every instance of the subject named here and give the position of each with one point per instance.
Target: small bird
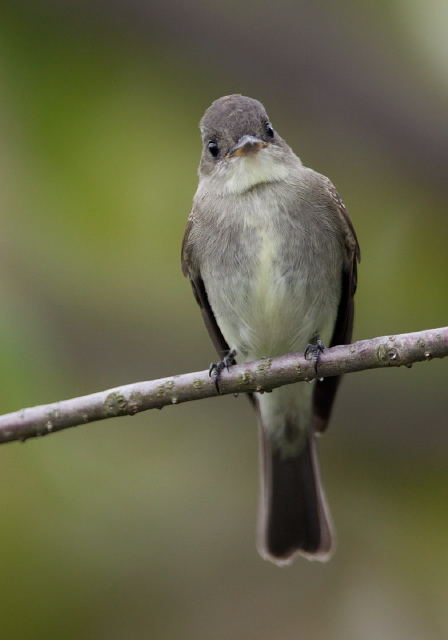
(272, 257)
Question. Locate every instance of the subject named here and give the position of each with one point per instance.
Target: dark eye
(269, 130)
(213, 148)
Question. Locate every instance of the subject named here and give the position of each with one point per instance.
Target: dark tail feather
(294, 516)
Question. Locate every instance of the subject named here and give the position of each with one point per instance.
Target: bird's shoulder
(185, 257)
(320, 191)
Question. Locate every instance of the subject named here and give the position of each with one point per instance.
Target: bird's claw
(315, 350)
(216, 368)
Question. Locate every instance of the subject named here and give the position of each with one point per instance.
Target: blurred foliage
(144, 527)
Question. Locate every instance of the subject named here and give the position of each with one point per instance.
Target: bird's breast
(260, 274)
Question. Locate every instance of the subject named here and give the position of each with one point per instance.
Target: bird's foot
(315, 350)
(217, 367)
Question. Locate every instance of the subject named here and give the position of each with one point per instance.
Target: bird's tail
(293, 514)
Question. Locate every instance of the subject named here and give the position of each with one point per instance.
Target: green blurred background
(144, 527)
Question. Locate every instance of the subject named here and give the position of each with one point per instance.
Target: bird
(271, 255)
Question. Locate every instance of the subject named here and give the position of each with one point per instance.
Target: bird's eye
(269, 130)
(213, 148)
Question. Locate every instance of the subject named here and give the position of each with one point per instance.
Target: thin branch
(264, 375)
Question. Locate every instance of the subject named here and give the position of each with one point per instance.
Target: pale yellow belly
(276, 314)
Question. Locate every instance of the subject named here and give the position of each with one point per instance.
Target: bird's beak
(247, 145)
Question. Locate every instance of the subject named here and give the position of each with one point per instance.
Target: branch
(264, 375)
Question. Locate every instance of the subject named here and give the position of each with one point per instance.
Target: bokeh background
(144, 527)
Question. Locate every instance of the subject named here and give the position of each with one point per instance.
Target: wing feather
(325, 391)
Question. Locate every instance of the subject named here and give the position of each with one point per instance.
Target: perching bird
(271, 255)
